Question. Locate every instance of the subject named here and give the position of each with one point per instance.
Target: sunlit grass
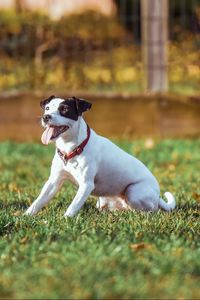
(99, 255)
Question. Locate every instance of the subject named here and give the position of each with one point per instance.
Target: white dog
(94, 164)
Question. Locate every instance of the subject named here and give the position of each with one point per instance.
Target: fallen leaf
(24, 240)
(140, 246)
(17, 213)
(196, 196)
(13, 187)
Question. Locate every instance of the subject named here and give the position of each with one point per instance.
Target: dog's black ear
(82, 105)
(44, 102)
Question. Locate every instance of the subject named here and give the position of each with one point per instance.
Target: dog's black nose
(46, 118)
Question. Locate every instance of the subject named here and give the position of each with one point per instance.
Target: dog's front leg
(83, 193)
(50, 188)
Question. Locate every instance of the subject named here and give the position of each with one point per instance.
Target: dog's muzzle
(46, 118)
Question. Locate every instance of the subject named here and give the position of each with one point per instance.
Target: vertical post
(19, 6)
(154, 18)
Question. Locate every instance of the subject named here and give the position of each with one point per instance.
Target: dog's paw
(69, 213)
(30, 211)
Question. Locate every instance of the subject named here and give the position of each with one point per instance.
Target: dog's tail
(170, 204)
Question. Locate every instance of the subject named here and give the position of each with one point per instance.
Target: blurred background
(138, 61)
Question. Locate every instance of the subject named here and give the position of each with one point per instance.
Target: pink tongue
(47, 134)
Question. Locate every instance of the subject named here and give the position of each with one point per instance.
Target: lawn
(99, 255)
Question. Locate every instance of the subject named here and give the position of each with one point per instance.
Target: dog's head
(60, 114)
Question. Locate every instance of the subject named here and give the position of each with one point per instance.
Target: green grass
(99, 255)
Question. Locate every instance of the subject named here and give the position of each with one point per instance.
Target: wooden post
(154, 18)
(19, 5)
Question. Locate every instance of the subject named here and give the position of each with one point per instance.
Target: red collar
(78, 150)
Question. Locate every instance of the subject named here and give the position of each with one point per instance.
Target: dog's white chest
(74, 169)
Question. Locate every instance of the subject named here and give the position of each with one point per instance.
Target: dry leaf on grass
(24, 240)
(196, 196)
(17, 213)
(140, 246)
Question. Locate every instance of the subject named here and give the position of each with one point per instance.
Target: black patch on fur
(82, 105)
(73, 107)
(43, 103)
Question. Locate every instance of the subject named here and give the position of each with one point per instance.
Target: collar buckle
(62, 156)
(79, 150)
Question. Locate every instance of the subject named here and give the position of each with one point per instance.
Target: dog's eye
(64, 109)
(47, 108)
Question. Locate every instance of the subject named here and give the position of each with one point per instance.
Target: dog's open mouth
(52, 132)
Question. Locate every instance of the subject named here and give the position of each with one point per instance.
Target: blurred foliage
(22, 34)
(88, 51)
(78, 52)
(184, 67)
(184, 16)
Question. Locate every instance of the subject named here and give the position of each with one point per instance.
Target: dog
(95, 164)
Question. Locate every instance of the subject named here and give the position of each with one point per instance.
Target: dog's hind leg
(142, 197)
